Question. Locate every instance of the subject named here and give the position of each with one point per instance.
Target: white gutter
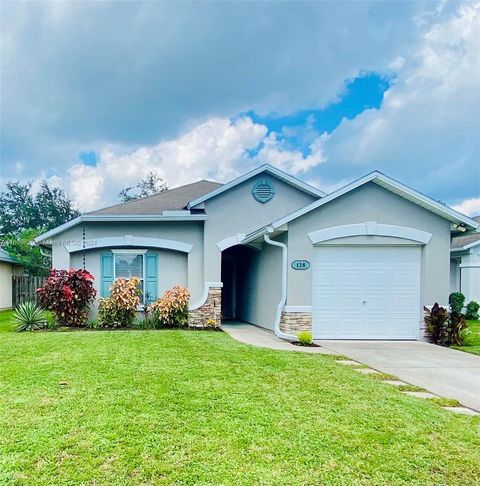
(283, 300)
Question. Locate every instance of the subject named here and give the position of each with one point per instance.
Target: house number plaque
(300, 264)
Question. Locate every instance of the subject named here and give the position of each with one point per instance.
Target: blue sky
(359, 94)
(96, 94)
(297, 129)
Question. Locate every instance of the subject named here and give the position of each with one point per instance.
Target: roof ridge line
(152, 195)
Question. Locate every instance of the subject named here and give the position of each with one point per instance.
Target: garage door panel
(366, 292)
(404, 278)
(377, 303)
(376, 279)
(404, 303)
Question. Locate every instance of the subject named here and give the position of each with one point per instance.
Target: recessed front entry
(366, 292)
(236, 276)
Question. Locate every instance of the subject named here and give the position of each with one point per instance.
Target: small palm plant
(30, 317)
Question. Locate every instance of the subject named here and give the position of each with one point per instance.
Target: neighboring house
(270, 250)
(8, 268)
(465, 265)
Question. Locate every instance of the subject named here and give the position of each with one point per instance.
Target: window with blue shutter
(151, 279)
(106, 274)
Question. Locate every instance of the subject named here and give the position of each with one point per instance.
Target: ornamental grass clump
(171, 310)
(30, 317)
(305, 338)
(120, 309)
(68, 294)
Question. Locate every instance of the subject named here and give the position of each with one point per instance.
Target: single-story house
(271, 250)
(465, 265)
(8, 268)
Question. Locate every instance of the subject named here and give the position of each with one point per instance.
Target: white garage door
(366, 292)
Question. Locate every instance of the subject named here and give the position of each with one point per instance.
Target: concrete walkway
(445, 372)
(249, 334)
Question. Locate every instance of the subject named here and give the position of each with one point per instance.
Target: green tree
(24, 215)
(20, 246)
(20, 209)
(151, 184)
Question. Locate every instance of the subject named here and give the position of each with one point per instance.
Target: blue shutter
(151, 279)
(106, 274)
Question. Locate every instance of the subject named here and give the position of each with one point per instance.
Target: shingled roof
(5, 257)
(461, 241)
(172, 200)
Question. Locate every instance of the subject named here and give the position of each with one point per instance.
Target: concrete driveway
(446, 372)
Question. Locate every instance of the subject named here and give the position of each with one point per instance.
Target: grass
(6, 322)
(179, 407)
(445, 402)
(411, 388)
(472, 341)
(384, 376)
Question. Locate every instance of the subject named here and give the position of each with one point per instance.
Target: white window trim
(136, 252)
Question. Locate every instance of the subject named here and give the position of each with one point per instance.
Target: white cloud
(73, 80)
(214, 149)
(217, 149)
(470, 207)
(275, 152)
(426, 132)
(162, 98)
(397, 63)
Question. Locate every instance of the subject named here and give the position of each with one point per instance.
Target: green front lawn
(180, 407)
(6, 323)
(472, 342)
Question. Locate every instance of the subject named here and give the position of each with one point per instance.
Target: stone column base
(294, 322)
(209, 314)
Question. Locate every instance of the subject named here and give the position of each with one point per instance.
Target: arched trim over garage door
(369, 228)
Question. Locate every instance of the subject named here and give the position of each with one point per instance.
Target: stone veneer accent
(210, 310)
(294, 322)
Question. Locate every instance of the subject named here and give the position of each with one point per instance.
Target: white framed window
(128, 264)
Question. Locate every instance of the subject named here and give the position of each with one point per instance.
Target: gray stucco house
(268, 249)
(465, 265)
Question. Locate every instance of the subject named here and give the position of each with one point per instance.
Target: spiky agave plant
(29, 317)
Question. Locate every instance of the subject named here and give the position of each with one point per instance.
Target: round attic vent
(263, 191)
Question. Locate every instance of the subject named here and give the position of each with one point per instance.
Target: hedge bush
(171, 310)
(456, 301)
(68, 294)
(472, 310)
(120, 309)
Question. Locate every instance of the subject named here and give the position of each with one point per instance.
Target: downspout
(283, 300)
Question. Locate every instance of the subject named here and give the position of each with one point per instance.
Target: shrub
(171, 309)
(436, 320)
(148, 322)
(456, 329)
(472, 310)
(211, 324)
(456, 301)
(120, 309)
(68, 295)
(445, 328)
(305, 338)
(92, 324)
(30, 317)
(52, 323)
